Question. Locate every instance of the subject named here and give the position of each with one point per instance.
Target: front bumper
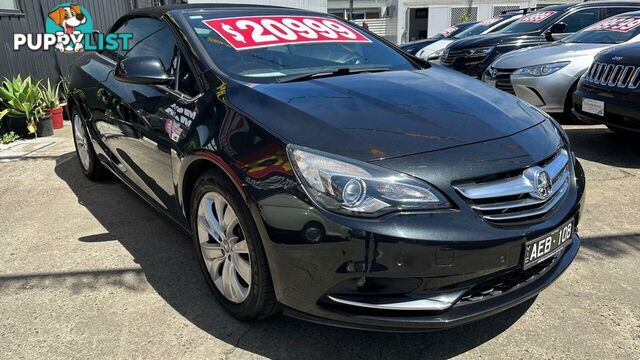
(455, 316)
(409, 256)
(621, 110)
(548, 93)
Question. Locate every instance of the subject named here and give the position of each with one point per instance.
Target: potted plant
(51, 103)
(66, 94)
(23, 99)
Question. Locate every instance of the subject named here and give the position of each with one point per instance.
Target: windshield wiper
(320, 74)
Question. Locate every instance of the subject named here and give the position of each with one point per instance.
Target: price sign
(537, 17)
(251, 32)
(448, 31)
(618, 23)
(491, 21)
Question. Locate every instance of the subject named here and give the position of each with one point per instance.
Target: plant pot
(44, 126)
(56, 117)
(17, 124)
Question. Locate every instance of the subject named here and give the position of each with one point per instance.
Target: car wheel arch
(196, 164)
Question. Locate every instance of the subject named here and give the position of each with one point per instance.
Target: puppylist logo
(69, 28)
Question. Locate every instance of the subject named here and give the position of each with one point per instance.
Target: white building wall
(313, 5)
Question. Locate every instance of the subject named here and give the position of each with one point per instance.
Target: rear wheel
(230, 251)
(89, 163)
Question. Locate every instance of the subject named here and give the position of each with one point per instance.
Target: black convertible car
(324, 173)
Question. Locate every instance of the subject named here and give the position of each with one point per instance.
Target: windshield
(266, 48)
(535, 21)
(614, 30)
(478, 28)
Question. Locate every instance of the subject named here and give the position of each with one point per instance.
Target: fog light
(353, 192)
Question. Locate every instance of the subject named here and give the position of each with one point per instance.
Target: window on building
(463, 14)
(10, 7)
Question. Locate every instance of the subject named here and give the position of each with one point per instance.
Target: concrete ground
(88, 270)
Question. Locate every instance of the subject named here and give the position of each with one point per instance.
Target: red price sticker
(618, 23)
(537, 17)
(491, 21)
(448, 31)
(253, 32)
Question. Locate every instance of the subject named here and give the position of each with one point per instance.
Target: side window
(185, 80)
(161, 44)
(140, 28)
(612, 11)
(581, 19)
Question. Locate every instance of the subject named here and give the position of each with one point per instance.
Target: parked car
(609, 93)
(448, 33)
(433, 51)
(473, 55)
(546, 76)
(301, 159)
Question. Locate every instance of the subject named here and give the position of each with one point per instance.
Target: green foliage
(23, 98)
(464, 18)
(9, 137)
(50, 95)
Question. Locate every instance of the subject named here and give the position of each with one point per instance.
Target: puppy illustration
(68, 18)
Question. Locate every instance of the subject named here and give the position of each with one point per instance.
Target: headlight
(435, 55)
(357, 188)
(541, 70)
(484, 51)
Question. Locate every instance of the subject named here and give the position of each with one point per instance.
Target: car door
(140, 116)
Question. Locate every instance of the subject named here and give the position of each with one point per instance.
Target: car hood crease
(383, 115)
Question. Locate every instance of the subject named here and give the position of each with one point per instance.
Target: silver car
(546, 76)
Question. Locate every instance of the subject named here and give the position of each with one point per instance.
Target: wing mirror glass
(142, 70)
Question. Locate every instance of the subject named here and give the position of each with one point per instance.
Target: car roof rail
(522, 11)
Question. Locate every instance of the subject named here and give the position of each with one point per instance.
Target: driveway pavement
(88, 270)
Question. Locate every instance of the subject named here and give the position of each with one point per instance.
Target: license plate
(593, 106)
(542, 248)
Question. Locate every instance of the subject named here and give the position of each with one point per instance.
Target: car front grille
(524, 197)
(450, 57)
(502, 79)
(613, 75)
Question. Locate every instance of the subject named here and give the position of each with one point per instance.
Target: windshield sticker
(618, 23)
(252, 32)
(448, 31)
(537, 17)
(491, 21)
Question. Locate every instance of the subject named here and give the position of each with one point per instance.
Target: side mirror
(557, 28)
(142, 70)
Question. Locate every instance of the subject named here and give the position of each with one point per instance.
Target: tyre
(230, 250)
(89, 163)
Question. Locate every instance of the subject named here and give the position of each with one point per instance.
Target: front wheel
(229, 249)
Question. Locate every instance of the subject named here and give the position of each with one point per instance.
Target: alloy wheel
(224, 247)
(81, 142)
